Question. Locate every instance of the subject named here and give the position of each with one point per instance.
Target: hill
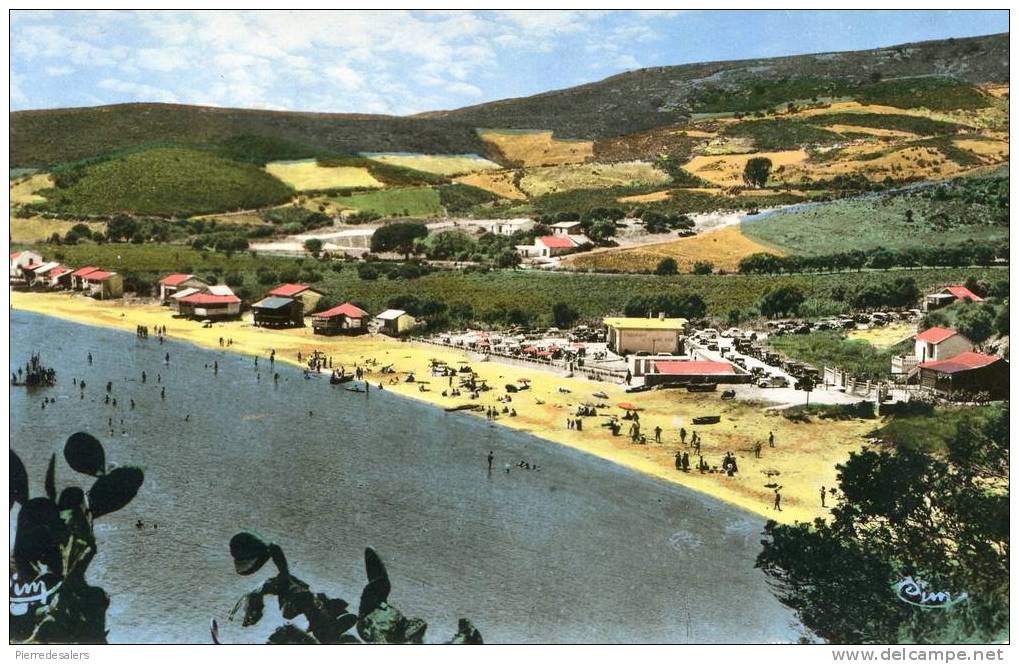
(657, 96)
(162, 181)
(929, 74)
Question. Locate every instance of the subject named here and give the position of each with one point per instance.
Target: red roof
(961, 362)
(346, 309)
(289, 290)
(81, 272)
(688, 367)
(15, 254)
(175, 279)
(59, 271)
(98, 275)
(963, 293)
(209, 298)
(557, 242)
(936, 335)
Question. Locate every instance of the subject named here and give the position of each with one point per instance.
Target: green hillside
(162, 181)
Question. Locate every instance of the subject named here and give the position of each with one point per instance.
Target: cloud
(137, 90)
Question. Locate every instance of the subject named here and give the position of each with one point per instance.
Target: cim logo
(37, 591)
(914, 591)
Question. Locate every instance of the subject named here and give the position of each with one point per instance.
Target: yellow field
(999, 91)
(871, 131)
(23, 189)
(308, 175)
(538, 148)
(653, 197)
(36, 229)
(437, 163)
(804, 455)
(988, 149)
(727, 170)
(883, 337)
(723, 247)
(920, 162)
(235, 219)
(550, 179)
(499, 183)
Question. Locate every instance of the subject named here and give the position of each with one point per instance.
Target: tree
(975, 323)
(756, 172)
(689, 305)
(507, 258)
(121, 227)
(783, 301)
(1001, 321)
(905, 514)
(563, 315)
(667, 267)
(313, 246)
(703, 267)
(399, 237)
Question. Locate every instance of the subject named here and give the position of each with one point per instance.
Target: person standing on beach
(682, 435)
(822, 496)
(658, 435)
(757, 450)
(491, 458)
(778, 500)
(771, 439)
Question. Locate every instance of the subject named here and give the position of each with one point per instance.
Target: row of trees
(960, 255)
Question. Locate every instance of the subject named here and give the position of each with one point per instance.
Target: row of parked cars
(867, 319)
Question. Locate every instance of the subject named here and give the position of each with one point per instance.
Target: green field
(500, 290)
(832, 349)
(782, 134)
(410, 202)
(955, 212)
(164, 182)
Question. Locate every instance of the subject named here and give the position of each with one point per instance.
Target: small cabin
(200, 306)
(275, 311)
(395, 322)
(103, 285)
(308, 296)
(346, 318)
(172, 284)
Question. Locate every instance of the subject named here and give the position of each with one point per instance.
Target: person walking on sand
(629, 376)
(658, 435)
(822, 496)
(778, 500)
(491, 458)
(771, 439)
(679, 461)
(682, 435)
(757, 450)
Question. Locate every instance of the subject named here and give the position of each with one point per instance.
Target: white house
(566, 228)
(940, 343)
(20, 259)
(395, 321)
(548, 246)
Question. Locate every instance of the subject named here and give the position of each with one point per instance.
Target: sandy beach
(802, 460)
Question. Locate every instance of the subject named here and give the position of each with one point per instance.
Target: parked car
(773, 381)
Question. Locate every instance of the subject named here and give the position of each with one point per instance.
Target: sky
(404, 62)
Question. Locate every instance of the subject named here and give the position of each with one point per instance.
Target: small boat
(336, 380)
(463, 406)
(729, 394)
(354, 389)
(702, 387)
(600, 395)
(637, 388)
(707, 419)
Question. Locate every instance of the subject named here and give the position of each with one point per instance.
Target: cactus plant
(329, 620)
(55, 542)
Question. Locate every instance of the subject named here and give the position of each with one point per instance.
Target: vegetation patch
(407, 202)
(833, 349)
(500, 183)
(913, 124)
(535, 148)
(931, 431)
(551, 179)
(781, 134)
(164, 182)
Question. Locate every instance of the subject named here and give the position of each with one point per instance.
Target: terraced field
(727, 170)
(310, 175)
(722, 248)
(409, 202)
(25, 190)
(536, 148)
(500, 183)
(436, 163)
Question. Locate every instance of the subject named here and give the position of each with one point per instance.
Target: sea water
(580, 550)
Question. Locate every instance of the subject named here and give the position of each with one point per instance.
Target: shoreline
(804, 456)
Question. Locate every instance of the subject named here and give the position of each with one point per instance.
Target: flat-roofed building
(645, 335)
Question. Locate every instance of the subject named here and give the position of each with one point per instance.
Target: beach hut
(395, 322)
(200, 306)
(104, 285)
(174, 283)
(19, 259)
(345, 318)
(966, 374)
(275, 311)
(179, 295)
(308, 296)
(35, 275)
(78, 277)
(58, 277)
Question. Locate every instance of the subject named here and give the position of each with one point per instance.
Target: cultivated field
(727, 170)
(308, 174)
(537, 148)
(23, 190)
(884, 337)
(436, 163)
(410, 202)
(38, 229)
(500, 183)
(551, 179)
(724, 248)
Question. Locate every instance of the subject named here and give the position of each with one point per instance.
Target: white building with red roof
(940, 343)
(78, 276)
(308, 296)
(209, 305)
(549, 246)
(172, 284)
(104, 285)
(19, 259)
(965, 375)
(950, 295)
